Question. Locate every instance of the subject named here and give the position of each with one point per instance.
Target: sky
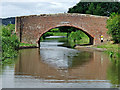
(12, 8)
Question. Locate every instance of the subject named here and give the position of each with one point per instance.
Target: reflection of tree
(0, 68)
(113, 73)
(81, 58)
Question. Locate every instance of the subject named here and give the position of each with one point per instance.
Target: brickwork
(29, 29)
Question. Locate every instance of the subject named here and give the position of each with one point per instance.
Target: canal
(56, 66)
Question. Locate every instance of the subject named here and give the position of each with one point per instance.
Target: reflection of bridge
(31, 63)
(30, 28)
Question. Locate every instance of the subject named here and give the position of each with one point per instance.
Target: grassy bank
(27, 45)
(111, 49)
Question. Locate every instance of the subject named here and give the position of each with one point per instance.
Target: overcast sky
(12, 8)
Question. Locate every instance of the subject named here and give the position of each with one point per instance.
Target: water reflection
(60, 67)
(61, 63)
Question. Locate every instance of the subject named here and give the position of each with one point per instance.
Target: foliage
(78, 37)
(96, 8)
(10, 42)
(113, 25)
(91, 9)
(75, 36)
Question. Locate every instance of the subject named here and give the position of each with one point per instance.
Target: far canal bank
(111, 49)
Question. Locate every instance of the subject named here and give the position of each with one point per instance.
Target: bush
(75, 36)
(113, 25)
(10, 42)
(79, 37)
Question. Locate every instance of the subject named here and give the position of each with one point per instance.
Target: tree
(113, 25)
(81, 7)
(91, 9)
(96, 8)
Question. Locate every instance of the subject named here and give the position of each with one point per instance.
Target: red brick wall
(30, 28)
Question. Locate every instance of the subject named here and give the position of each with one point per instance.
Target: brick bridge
(29, 29)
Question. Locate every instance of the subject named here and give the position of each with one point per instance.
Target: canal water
(56, 66)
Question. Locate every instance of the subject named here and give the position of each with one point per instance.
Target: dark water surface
(57, 67)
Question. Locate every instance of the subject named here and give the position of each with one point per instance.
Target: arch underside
(91, 38)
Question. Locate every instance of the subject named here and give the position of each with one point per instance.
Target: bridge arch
(91, 38)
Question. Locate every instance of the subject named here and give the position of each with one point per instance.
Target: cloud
(12, 8)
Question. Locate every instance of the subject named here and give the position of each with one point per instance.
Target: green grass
(111, 49)
(26, 44)
(108, 46)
